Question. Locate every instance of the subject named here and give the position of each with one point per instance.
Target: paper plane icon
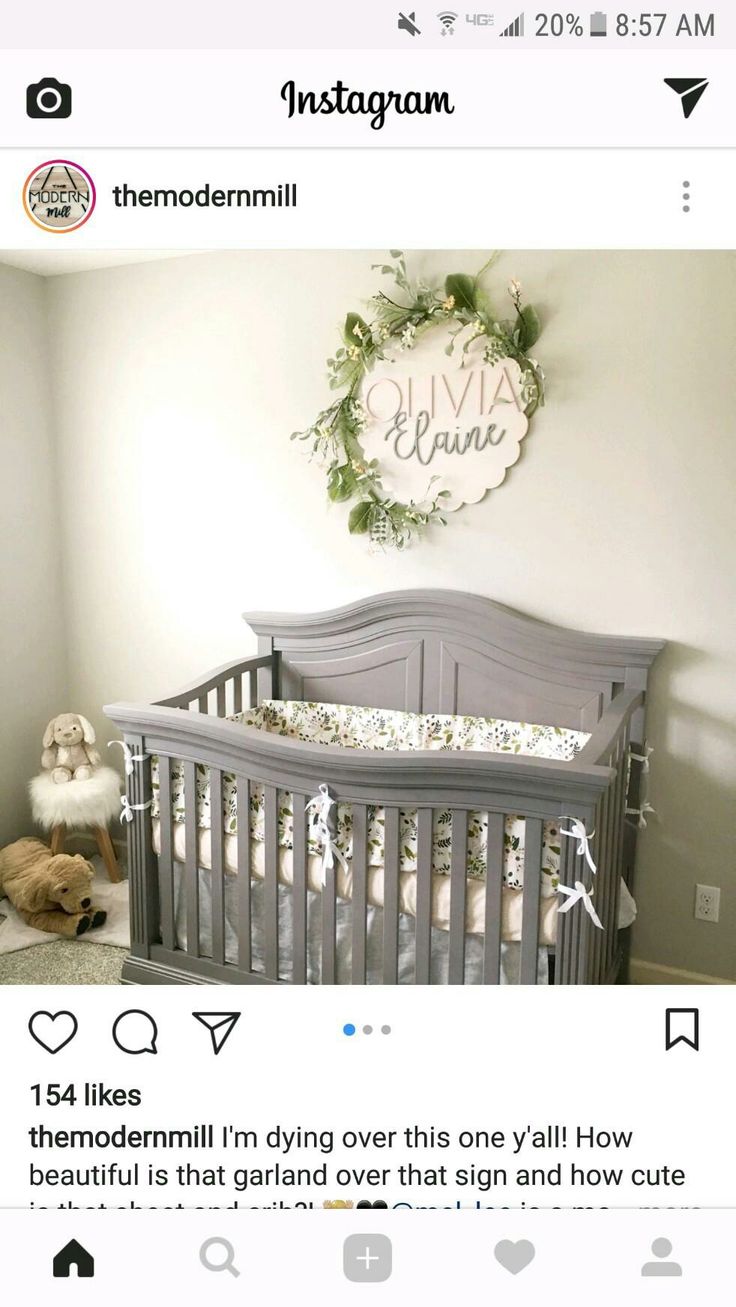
(689, 90)
(220, 1025)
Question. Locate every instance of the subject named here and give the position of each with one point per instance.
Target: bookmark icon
(682, 1026)
(220, 1026)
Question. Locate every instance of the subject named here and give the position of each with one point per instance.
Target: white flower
(514, 288)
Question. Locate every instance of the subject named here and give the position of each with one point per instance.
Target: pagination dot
(348, 1028)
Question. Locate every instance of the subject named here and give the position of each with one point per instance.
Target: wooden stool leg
(58, 836)
(107, 853)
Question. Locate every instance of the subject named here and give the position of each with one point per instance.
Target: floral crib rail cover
(386, 729)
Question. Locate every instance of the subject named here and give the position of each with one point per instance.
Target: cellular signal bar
(514, 29)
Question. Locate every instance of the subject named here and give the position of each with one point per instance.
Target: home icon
(73, 1254)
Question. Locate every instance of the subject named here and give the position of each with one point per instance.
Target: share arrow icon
(689, 90)
(220, 1025)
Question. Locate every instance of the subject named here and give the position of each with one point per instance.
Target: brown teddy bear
(67, 748)
(50, 891)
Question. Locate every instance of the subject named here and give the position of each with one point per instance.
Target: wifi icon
(689, 90)
(447, 18)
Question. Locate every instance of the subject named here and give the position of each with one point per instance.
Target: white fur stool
(79, 805)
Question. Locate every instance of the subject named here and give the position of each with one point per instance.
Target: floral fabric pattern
(384, 729)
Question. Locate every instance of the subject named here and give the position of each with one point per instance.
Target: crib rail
(230, 688)
(591, 790)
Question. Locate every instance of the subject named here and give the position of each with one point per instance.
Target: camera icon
(48, 99)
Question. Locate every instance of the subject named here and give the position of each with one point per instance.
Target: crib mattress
(511, 899)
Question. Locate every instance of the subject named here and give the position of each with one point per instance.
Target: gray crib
(420, 651)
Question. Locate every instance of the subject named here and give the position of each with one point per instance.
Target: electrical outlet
(707, 902)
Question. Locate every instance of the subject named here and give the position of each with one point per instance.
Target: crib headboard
(450, 652)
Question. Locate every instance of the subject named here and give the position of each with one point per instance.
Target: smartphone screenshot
(367, 690)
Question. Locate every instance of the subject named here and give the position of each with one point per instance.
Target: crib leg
(107, 853)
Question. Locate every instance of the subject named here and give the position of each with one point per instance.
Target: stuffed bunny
(67, 751)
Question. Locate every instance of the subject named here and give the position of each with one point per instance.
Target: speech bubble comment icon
(135, 1031)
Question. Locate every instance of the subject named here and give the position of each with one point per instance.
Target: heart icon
(514, 1257)
(53, 1030)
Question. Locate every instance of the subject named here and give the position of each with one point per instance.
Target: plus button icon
(367, 1258)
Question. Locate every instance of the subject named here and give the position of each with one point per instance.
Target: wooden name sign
(456, 418)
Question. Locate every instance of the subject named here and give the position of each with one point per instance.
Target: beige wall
(32, 637)
(177, 384)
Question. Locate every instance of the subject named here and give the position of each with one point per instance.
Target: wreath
(400, 321)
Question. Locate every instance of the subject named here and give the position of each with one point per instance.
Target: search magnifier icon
(223, 1259)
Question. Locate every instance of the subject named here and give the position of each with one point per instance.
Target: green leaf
(352, 321)
(483, 304)
(340, 483)
(396, 254)
(462, 288)
(359, 519)
(531, 328)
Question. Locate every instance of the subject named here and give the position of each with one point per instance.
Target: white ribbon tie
(580, 895)
(319, 823)
(641, 813)
(643, 758)
(130, 758)
(645, 806)
(580, 834)
(127, 808)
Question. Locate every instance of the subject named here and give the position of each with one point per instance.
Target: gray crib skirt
(510, 953)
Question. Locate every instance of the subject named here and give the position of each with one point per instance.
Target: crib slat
(329, 928)
(221, 708)
(586, 929)
(253, 688)
(494, 899)
(423, 938)
(600, 888)
(271, 886)
(609, 858)
(530, 905)
(238, 693)
(243, 844)
(218, 867)
(360, 892)
(299, 892)
(391, 897)
(165, 861)
(618, 846)
(203, 703)
(458, 872)
(566, 921)
(191, 870)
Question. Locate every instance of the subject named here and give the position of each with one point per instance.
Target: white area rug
(15, 934)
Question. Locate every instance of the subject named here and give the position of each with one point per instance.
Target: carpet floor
(63, 963)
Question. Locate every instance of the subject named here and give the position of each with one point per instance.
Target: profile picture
(59, 195)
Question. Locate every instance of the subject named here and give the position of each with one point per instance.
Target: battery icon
(598, 24)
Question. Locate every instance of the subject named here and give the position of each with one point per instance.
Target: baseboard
(652, 973)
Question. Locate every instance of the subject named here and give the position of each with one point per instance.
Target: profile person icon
(661, 1249)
